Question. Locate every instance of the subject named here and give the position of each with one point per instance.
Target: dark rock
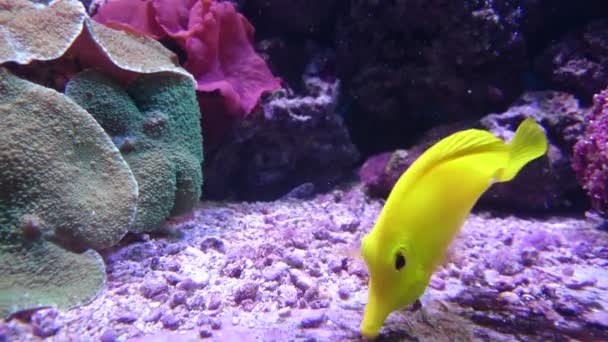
(294, 17)
(289, 142)
(152, 287)
(579, 61)
(170, 321)
(313, 321)
(247, 290)
(547, 183)
(295, 259)
(408, 65)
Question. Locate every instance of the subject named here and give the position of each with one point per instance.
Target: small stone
(310, 294)
(284, 312)
(169, 321)
(577, 284)
(197, 302)
(152, 287)
(509, 298)
(504, 262)
(213, 242)
(173, 249)
(336, 265)
(313, 321)
(528, 256)
(190, 284)
(214, 301)
(301, 280)
(178, 298)
(289, 294)
(216, 324)
(205, 333)
(172, 278)
(358, 269)
(319, 304)
(295, 258)
(437, 283)
(566, 307)
(45, 323)
(233, 270)
(344, 292)
(153, 316)
(274, 272)
(126, 318)
(108, 336)
(568, 271)
(246, 291)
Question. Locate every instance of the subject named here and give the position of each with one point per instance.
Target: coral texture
(70, 178)
(63, 182)
(31, 32)
(155, 123)
(218, 43)
(590, 158)
(289, 142)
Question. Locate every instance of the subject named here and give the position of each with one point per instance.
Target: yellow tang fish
(428, 205)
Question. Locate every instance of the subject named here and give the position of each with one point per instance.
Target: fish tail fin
(528, 144)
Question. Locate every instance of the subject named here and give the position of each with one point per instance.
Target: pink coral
(218, 42)
(590, 157)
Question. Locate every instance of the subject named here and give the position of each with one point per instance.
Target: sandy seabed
(282, 271)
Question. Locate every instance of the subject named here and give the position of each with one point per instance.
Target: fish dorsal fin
(467, 142)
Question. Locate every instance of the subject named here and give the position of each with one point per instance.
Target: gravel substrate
(280, 271)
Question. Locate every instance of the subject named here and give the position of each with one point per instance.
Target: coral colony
(189, 169)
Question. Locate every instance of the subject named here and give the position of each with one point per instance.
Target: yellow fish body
(428, 205)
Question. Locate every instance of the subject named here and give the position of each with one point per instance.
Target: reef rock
(63, 183)
(408, 65)
(579, 62)
(547, 184)
(591, 154)
(155, 122)
(291, 141)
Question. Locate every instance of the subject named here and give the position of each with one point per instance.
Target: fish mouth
(373, 318)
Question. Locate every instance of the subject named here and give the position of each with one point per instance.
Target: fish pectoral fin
(528, 144)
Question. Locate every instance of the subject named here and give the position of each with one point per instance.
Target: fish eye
(399, 261)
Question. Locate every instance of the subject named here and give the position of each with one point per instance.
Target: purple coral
(590, 157)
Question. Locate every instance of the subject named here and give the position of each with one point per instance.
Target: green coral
(155, 122)
(64, 187)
